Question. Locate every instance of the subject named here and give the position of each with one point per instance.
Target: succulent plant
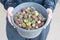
(33, 25)
(36, 27)
(28, 23)
(23, 25)
(28, 8)
(36, 13)
(29, 18)
(25, 20)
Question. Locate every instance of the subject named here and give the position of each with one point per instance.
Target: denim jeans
(12, 34)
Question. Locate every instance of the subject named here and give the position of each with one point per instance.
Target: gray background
(54, 33)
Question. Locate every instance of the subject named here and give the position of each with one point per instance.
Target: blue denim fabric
(12, 34)
(13, 3)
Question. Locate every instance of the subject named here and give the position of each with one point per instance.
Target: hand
(49, 13)
(9, 10)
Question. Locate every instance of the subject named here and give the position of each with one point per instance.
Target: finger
(9, 19)
(50, 15)
(10, 14)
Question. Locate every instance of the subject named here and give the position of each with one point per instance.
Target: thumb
(10, 9)
(9, 19)
(49, 11)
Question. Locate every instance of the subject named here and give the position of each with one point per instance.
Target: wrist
(49, 10)
(10, 8)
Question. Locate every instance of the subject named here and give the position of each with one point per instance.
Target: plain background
(54, 33)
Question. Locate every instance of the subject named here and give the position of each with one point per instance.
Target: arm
(9, 6)
(3, 1)
(50, 4)
(9, 11)
(10, 3)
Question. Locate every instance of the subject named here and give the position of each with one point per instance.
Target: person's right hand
(9, 10)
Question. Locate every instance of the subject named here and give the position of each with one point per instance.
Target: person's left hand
(49, 13)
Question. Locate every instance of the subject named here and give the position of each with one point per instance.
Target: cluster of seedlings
(29, 18)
